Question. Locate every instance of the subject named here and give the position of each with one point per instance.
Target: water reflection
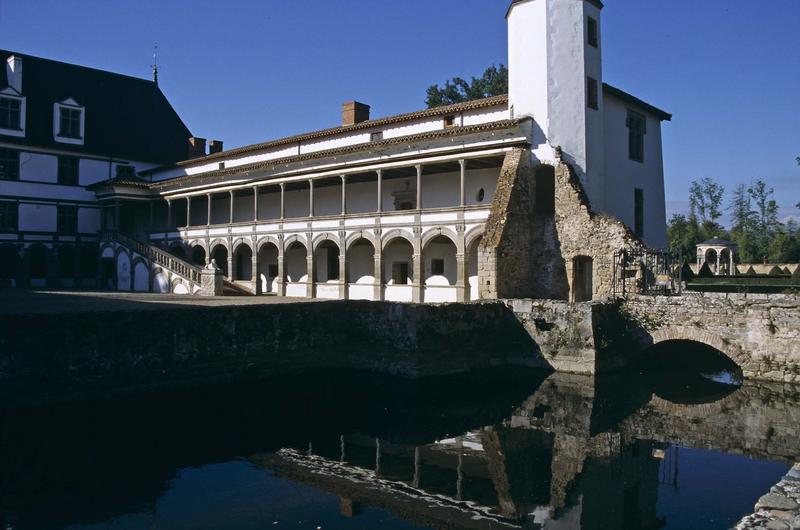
(501, 450)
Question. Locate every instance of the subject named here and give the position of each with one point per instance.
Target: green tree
(493, 82)
(766, 216)
(705, 202)
(743, 223)
(683, 234)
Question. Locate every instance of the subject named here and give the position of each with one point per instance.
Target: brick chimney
(214, 146)
(14, 72)
(354, 112)
(197, 147)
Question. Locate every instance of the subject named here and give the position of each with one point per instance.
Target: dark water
(506, 449)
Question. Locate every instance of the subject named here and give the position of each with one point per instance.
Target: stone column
(231, 209)
(344, 195)
(169, 215)
(417, 283)
(461, 278)
(380, 191)
(211, 281)
(283, 201)
(255, 204)
(419, 186)
(310, 198)
(343, 273)
(208, 210)
(188, 212)
(378, 273)
(718, 263)
(732, 270)
(311, 286)
(256, 279)
(230, 261)
(463, 164)
(280, 281)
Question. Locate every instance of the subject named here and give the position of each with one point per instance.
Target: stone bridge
(760, 333)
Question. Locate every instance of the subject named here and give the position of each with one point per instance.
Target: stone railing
(156, 255)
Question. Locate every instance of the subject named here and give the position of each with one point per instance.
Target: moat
(501, 449)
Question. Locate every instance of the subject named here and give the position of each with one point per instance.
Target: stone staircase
(181, 276)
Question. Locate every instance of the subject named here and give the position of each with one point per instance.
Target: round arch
(219, 253)
(359, 236)
(292, 239)
(473, 235)
(242, 241)
(395, 234)
(727, 348)
(141, 280)
(327, 236)
(438, 232)
(267, 240)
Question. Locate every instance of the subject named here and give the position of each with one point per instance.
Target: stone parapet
(780, 508)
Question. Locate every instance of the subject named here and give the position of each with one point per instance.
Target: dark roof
(633, 100)
(211, 176)
(718, 241)
(597, 3)
(399, 118)
(132, 182)
(126, 117)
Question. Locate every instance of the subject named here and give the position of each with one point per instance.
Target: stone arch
(694, 334)
(217, 242)
(365, 235)
(398, 233)
(140, 280)
(179, 287)
(295, 266)
(199, 255)
(326, 236)
(440, 232)
(292, 239)
(122, 259)
(107, 251)
(220, 253)
(242, 241)
(267, 240)
(473, 235)
(178, 249)
(242, 260)
(472, 257)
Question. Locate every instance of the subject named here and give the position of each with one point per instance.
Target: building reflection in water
(522, 451)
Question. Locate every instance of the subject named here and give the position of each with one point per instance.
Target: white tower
(555, 77)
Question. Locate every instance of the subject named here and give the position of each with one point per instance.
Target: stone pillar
(732, 270)
(188, 212)
(380, 191)
(283, 201)
(231, 210)
(311, 285)
(463, 164)
(344, 195)
(280, 281)
(208, 210)
(417, 282)
(716, 271)
(461, 278)
(255, 204)
(230, 261)
(377, 293)
(169, 215)
(419, 186)
(211, 281)
(343, 273)
(310, 198)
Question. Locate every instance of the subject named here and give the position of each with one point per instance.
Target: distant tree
(493, 82)
(705, 202)
(683, 234)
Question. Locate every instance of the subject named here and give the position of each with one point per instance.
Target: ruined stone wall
(529, 254)
(759, 332)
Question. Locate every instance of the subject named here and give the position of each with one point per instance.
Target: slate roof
(633, 100)
(126, 117)
(717, 242)
(369, 124)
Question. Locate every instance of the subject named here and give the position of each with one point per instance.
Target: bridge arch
(697, 335)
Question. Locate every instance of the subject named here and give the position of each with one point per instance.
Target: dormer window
(68, 122)
(12, 115)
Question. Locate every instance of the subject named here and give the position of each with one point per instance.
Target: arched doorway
(398, 270)
(296, 270)
(37, 265)
(243, 263)
(220, 255)
(440, 270)
(473, 292)
(198, 256)
(711, 259)
(66, 265)
(326, 270)
(268, 267)
(361, 270)
(9, 263)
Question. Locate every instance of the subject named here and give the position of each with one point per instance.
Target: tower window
(637, 128)
(638, 212)
(592, 93)
(70, 123)
(591, 32)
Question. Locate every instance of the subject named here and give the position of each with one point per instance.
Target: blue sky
(249, 70)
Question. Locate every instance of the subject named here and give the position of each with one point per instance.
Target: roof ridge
(9, 53)
(332, 131)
